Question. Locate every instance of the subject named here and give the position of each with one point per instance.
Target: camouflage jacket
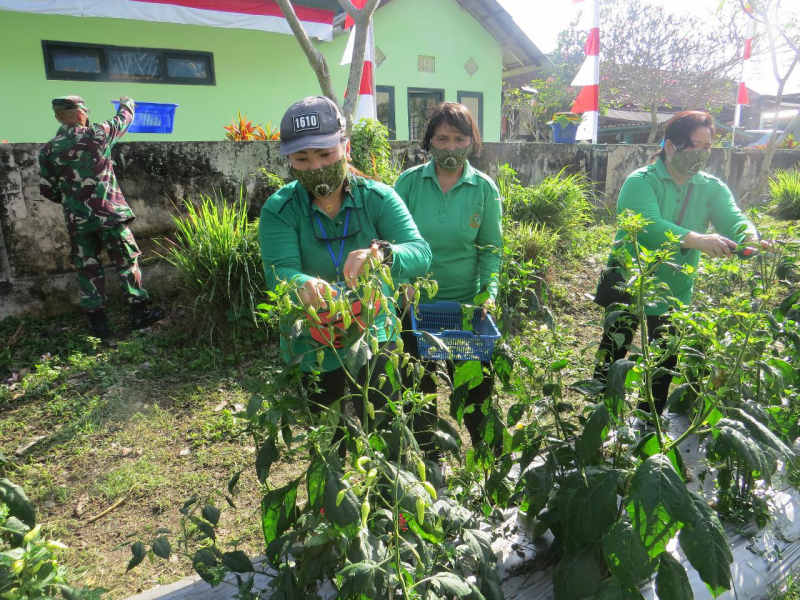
(77, 171)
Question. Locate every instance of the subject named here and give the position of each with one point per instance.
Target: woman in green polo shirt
(326, 227)
(457, 209)
(675, 195)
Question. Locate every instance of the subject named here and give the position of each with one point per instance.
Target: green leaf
(659, 503)
(237, 561)
(588, 509)
(211, 514)
(786, 305)
(515, 413)
(672, 582)
(18, 504)
(207, 565)
(577, 576)
(278, 510)
(617, 374)
(138, 553)
(732, 442)
(445, 441)
(345, 513)
(450, 585)
(204, 527)
(267, 454)
(315, 481)
(626, 556)
(232, 482)
(611, 589)
(358, 580)
(184, 510)
(558, 364)
(594, 432)
(468, 373)
(760, 432)
(705, 545)
(538, 485)
(161, 547)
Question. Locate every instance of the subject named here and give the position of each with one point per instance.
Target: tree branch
(362, 18)
(315, 58)
(348, 7)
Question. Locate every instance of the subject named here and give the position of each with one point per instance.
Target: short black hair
(681, 126)
(456, 115)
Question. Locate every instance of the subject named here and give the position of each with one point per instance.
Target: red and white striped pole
(366, 107)
(588, 76)
(742, 96)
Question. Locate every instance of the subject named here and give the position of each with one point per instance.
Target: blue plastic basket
(564, 134)
(151, 117)
(443, 320)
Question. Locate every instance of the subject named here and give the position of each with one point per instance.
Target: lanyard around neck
(337, 260)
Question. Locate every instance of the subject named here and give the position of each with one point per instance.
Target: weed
(558, 202)
(139, 476)
(215, 250)
(784, 190)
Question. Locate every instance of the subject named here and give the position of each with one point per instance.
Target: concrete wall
(35, 272)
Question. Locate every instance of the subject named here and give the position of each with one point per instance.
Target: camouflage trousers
(121, 247)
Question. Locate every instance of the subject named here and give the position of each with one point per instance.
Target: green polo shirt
(651, 192)
(292, 246)
(463, 228)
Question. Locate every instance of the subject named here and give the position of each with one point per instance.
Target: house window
(474, 102)
(95, 62)
(421, 101)
(385, 102)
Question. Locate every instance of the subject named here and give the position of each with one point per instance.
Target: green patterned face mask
(689, 162)
(450, 160)
(321, 182)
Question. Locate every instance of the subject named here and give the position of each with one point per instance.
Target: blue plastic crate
(151, 117)
(443, 320)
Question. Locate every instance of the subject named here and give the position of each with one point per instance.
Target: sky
(542, 20)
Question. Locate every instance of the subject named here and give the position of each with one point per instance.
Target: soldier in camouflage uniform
(77, 172)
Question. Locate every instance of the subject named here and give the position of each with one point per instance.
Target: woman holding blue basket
(458, 211)
(327, 227)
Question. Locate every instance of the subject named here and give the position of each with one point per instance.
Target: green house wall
(257, 73)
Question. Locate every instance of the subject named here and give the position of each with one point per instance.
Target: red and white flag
(264, 15)
(588, 78)
(742, 96)
(366, 107)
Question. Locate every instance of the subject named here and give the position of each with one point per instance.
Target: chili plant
(365, 511)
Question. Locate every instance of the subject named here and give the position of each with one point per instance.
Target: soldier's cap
(313, 122)
(69, 102)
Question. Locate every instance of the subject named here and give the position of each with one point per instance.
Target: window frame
(50, 46)
(392, 127)
(420, 90)
(479, 95)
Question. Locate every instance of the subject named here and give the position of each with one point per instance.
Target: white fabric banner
(169, 13)
(588, 73)
(587, 130)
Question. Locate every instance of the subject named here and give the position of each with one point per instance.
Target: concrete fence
(35, 271)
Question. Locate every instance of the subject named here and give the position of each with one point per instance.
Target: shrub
(371, 152)
(215, 249)
(560, 202)
(784, 190)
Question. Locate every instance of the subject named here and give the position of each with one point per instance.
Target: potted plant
(565, 126)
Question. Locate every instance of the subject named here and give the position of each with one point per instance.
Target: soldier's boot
(143, 315)
(98, 324)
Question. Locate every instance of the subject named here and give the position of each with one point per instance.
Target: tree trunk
(651, 137)
(318, 62)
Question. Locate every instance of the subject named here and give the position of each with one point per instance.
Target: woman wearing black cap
(327, 226)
